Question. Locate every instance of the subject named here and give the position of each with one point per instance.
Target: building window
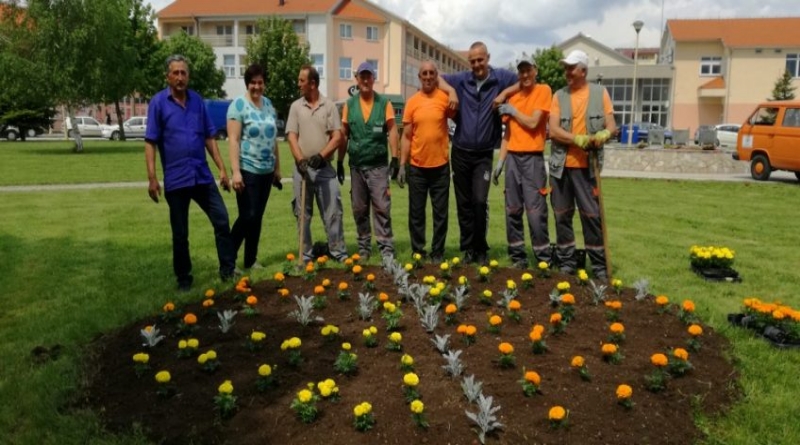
(318, 62)
(225, 34)
(710, 66)
(372, 33)
(250, 29)
(345, 68)
(243, 65)
(345, 31)
(299, 26)
(189, 30)
(793, 64)
(229, 65)
(374, 64)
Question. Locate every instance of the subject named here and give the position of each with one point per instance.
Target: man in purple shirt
(180, 128)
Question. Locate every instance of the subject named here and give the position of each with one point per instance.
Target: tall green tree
(783, 89)
(277, 48)
(550, 70)
(204, 76)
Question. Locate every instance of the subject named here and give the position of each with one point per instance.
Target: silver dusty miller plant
(472, 389)
(430, 317)
(454, 366)
(642, 287)
(485, 418)
(304, 311)
(417, 293)
(506, 296)
(460, 296)
(226, 320)
(598, 293)
(440, 342)
(151, 337)
(366, 305)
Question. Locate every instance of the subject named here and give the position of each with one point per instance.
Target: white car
(88, 126)
(135, 127)
(727, 134)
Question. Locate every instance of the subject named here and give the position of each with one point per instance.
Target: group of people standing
(579, 117)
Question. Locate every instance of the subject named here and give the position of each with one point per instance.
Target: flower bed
(596, 410)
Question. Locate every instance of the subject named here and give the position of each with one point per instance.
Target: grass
(77, 264)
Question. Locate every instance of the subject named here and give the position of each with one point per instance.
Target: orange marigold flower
(209, 293)
(495, 320)
(169, 307)
(342, 285)
(462, 329)
(533, 377)
(514, 305)
(356, 269)
(322, 260)
(557, 413)
(289, 257)
(681, 354)
(617, 328)
(383, 297)
(568, 299)
(348, 262)
(538, 328)
(535, 335)
(662, 300)
(190, 318)
(778, 315)
(326, 282)
(658, 360)
(471, 330)
(283, 292)
(208, 303)
(555, 318)
(614, 304)
(252, 300)
(370, 277)
(577, 362)
(356, 257)
(609, 349)
(279, 276)
(695, 330)
(506, 348)
(450, 309)
(309, 267)
(624, 392)
(319, 290)
(688, 306)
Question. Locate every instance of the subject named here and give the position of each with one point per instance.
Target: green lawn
(76, 264)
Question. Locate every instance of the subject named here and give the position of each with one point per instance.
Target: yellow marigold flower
(456, 260)
(609, 348)
(487, 293)
(295, 342)
(514, 305)
(265, 370)
(428, 279)
(444, 266)
(407, 360)
(319, 290)
(450, 309)
(278, 276)
(527, 277)
(533, 377)
(193, 343)
(396, 337)
(141, 357)
(324, 390)
(616, 282)
(483, 270)
(624, 392)
(211, 354)
(358, 410)
(510, 284)
(417, 407)
(366, 333)
(555, 318)
(440, 285)
(471, 330)
(304, 396)
(681, 353)
(435, 292)
(462, 280)
(577, 362)
(493, 264)
(495, 320)
(582, 275)
(209, 293)
(370, 277)
(202, 359)
(373, 329)
(506, 348)
(346, 346)
(417, 256)
(226, 387)
(695, 330)
(411, 379)
(408, 267)
(543, 265)
(688, 306)
(568, 299)
(389, 307)
(257, 336)
(617, 328)
(182, 344)
(557, 413)
(562, 286)
(169, 307)
(357, 269)
(163, 377)
(659, 360)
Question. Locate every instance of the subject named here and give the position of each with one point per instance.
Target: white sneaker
(256, 266)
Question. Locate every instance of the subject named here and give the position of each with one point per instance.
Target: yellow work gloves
(581, 140)
(601, 137)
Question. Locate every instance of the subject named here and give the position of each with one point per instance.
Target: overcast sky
(510, 27)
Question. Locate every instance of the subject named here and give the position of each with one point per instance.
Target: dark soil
(126, 402)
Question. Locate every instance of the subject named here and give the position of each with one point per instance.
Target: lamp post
(637, 25)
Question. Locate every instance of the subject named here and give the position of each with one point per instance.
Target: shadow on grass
(91, 149)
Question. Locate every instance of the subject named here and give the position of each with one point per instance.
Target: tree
(204, 76)
(783, 89)
(277, 48)
(550, 69)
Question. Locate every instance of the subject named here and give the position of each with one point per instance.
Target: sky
(511, 27)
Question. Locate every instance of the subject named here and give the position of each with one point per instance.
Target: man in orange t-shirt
(424, 147)
(522, 153)
(581, 119)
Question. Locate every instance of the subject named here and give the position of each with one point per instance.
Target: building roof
(643, 52)
(189, 8)
(588, 40)
(716, 83)
(351, 10)
(745, 32)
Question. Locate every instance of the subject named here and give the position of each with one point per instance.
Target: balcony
(216, 41)
(301, 38)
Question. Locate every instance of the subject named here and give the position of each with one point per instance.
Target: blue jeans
(208, 198)
(252, 202)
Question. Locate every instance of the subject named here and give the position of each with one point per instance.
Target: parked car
(135, 127)
(727, 135)
(88, 126)
(701, 129)
(770, 139)
(12, 133)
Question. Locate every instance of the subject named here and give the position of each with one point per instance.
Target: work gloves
(393, 167)
(340, 172)
(401, 176)
(581, 140)
(316, 162)
(507, 109)
(302, 167)
(601, 137)
(497, 170)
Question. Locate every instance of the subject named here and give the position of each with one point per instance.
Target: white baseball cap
(576, 57)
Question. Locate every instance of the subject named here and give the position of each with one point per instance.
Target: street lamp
(637, 25)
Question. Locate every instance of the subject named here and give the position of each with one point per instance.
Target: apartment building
(724, 67)
(340, 33)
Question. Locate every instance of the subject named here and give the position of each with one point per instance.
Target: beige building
(724, 67)
(340, 33)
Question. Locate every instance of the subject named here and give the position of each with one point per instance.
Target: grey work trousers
(526, 190)
(370, 188)
(323, 186)
(576, 185)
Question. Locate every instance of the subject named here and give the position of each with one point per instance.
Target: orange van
(770, 139)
